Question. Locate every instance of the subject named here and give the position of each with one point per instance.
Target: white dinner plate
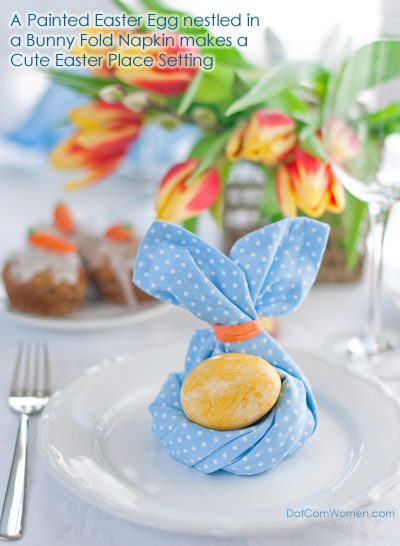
(93, 315)
(95, 438)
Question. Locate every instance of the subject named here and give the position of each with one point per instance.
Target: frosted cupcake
(111, 266)
(47, 278)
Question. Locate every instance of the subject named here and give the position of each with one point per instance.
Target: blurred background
(29, 127)
(304, 26)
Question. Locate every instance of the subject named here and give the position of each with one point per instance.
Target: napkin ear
(280, 262)
(176, 266)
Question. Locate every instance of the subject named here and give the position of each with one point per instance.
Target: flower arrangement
(271, 118)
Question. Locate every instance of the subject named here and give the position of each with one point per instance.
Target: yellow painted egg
(230, 391)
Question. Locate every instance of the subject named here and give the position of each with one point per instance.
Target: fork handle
(13, 506)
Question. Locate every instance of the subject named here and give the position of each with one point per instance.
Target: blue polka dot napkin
(268, 273)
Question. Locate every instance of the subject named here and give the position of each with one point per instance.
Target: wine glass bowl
(361, 133)
(362, 121)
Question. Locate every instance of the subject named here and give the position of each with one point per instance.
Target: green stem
(181, 118)
(191, 224)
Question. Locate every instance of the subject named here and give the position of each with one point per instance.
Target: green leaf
(217, 210)
(201, 147)
(353, 218)
(215, 86)
(124, 7)
(227, 56)
(368, 68)
(208, 150)
(311, 143)
(224, 168)
(190, 93)
(269, 206)
(288, 102)
(392, 127)
(88, 85)
(199, 151)
(278, 79)
(384, 118)
(191, 224)
(210, 88)
(240, 85)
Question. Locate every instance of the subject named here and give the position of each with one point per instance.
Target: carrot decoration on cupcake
(47, 241)
(112, 265)
(63, 219)
(120, 232)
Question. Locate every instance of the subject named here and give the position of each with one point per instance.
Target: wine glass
(361, 132)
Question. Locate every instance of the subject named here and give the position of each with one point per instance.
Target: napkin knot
(238, 332)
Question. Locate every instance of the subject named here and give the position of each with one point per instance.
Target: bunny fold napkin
(268, 273)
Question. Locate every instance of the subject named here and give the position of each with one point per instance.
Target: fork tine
(36, 389)
(47, 376)
(26, 389)
(15, 378)
(32, 370)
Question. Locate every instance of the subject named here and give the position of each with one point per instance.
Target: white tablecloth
(56, 516)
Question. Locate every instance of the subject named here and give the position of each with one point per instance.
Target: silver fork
(30, 391)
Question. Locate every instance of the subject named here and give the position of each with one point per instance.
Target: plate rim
(48, 456)
(148, 312)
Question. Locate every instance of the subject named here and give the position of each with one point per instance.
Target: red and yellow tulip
(179, 199)
(103, 135)
(267, 138)
(168, 81)
(104, 70)
(308, 184)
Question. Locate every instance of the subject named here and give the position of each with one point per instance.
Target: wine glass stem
(378, 216)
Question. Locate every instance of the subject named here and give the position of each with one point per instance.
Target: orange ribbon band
(239, 332)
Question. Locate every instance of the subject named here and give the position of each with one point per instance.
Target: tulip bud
(171, 81)
(268, 137)
(111, 94)
(233, 148)
(205, 118)
(308, 184)
(103, 134)
(135, 101)
(180, 198)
